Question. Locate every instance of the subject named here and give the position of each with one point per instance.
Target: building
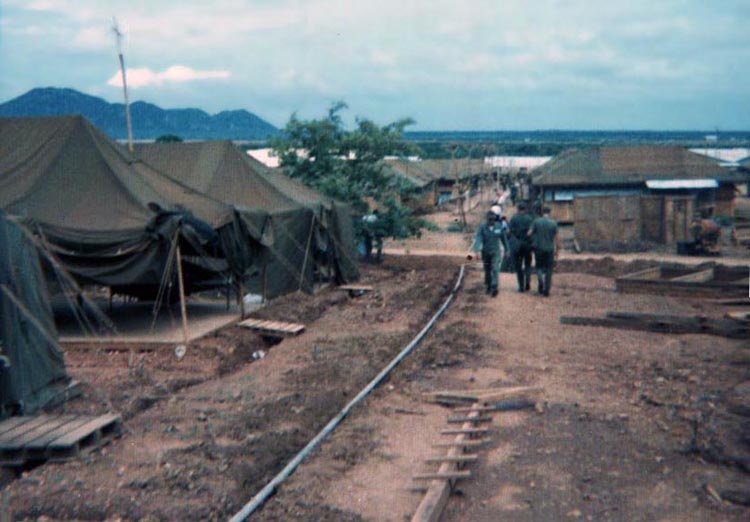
(635, 194)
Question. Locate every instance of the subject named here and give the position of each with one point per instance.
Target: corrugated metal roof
(625, 166)
(671, 184)
(733, 155)
(528, 162)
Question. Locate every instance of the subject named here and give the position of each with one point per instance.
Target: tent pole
(307, 253)
(183, 308)
(241, 290)
(265, 281)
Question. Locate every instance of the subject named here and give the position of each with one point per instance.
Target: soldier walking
(491, 240)
(546, 244)
(520, 244)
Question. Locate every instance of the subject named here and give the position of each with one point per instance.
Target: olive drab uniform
(520, 247)
(491, 241)
(543, 234)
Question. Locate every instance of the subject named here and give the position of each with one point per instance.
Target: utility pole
(118, 39)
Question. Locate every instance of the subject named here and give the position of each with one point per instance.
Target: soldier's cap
(522, 206)
(491, 214)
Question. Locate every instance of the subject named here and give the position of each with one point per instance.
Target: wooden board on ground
(356, 290)
(54, 437)
(485, 395)
(719, 282)
(673, 324)
(274, 328)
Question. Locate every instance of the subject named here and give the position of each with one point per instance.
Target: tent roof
(220, 170)
(64, 172)
(628, 166)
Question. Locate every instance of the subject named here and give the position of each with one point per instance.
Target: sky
(449, 65)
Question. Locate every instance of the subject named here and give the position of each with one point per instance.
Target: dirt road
(636, 426)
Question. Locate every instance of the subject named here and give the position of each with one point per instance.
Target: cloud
(380, 57)
(143, 77)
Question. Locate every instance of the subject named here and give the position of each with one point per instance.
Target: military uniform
(543, 234)
(490, 240)
(520, 244)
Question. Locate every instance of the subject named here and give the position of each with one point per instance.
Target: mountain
(149, 120)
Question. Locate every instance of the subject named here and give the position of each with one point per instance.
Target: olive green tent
(32, 371)
(336, 230)
(111, 219)
(300, 219)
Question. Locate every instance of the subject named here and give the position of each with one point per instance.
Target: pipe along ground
(268, 490)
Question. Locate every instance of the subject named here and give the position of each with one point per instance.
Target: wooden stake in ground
(183, 307)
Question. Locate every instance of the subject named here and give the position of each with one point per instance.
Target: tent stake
(183, 308)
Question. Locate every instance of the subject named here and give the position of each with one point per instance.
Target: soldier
(521, 246)
(490, 240)
(546, 244)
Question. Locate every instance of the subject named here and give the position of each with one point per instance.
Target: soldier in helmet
(491, 241)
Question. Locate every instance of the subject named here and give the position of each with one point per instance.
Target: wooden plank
(648, 273)
(19, 430)
(433, 503)
(465, 431)
(12, 423)
(356, 288)
(484, 394)
(697, 277)
(667, 324)
(94, 424)
(739, 316)
(273, 327)
(74, 423)
(461, 444)
(458, 420)
(712, 290)
(49, 424)
(13, 450)
(469, 457)
(482, 409)
(36, 448)
(450, 475)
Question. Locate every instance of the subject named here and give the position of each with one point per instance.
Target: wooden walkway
(54, 437)
(273, 328)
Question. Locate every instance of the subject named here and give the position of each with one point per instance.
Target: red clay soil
(204, 433)
(632, 425)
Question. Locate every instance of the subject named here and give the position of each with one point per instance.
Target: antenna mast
(118, 39)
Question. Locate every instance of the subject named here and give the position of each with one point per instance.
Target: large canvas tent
(303, 229)
(109, 218)
(28, 338)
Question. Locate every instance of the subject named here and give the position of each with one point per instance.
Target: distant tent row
(32, 371)
(115, 219)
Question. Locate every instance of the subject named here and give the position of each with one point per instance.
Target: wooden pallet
(273, 328)
(54, 437)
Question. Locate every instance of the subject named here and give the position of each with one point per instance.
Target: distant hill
(149, 121)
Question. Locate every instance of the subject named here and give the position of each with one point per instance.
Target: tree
(348, 165)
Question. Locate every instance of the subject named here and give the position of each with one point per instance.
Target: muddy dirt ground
(630, 425)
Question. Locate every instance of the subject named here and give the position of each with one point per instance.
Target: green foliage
(168, 138)
(348, 165)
